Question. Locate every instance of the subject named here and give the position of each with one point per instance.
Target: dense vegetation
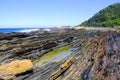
(108, 17)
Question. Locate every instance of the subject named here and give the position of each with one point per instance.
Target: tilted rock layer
(98, 58)
(96, 55)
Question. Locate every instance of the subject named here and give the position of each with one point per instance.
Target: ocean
(9, 30)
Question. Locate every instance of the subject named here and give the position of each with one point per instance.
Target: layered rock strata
(96, 55)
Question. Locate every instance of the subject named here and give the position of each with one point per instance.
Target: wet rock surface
(95, 54)
(22, 45)
(97, 57)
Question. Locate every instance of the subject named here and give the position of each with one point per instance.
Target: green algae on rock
(55, 55)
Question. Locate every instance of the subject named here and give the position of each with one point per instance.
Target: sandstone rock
(13, 68)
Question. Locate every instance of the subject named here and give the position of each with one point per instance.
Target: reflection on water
(53, 56)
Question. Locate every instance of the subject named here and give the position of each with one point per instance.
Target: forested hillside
(108, 17)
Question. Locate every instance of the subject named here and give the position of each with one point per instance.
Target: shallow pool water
(53, 56)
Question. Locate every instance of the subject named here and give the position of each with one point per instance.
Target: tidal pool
(53, 56)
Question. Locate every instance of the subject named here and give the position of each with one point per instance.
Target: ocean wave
(28, 30)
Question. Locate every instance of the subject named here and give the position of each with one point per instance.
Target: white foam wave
(47, 30)
(28, 30)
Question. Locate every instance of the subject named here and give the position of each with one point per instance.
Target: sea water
(9, 30)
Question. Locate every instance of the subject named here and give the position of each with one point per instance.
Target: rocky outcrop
(10, 36)
(96, 59)
(95, 55)
(27, 46)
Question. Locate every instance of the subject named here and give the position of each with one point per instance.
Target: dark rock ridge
(22, 45)
(96, 54)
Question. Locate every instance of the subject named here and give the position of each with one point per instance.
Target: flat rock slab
(13, 68)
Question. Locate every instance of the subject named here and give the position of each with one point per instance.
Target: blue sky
(38, 13)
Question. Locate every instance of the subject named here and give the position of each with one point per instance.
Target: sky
(48, 13)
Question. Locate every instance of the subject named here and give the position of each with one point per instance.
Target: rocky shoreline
(95, 57)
